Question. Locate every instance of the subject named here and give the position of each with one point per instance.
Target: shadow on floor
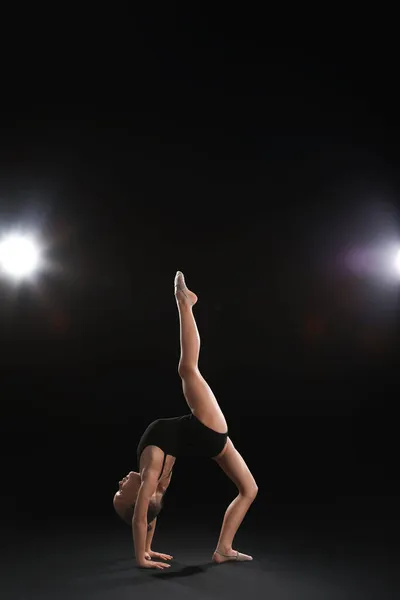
(183, 571)
(133, 576)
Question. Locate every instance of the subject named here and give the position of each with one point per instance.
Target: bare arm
(139, 521)
(163, 484)
(150, 534)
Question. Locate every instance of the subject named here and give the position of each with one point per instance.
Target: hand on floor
(157, 555)
(151, 564)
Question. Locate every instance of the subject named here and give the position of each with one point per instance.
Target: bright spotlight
(19, 255)
(397, 262)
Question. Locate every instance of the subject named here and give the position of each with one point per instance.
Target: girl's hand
(157, 555)
(150, 564)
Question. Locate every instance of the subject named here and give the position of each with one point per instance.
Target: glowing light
(19, 255)
(397, 262)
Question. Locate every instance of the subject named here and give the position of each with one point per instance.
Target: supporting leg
(235, 467)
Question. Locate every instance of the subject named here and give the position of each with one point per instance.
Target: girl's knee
(186, 371)
(249, 491)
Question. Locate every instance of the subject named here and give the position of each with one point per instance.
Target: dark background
(260, 171)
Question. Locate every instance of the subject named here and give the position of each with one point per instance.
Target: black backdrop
(257, 171)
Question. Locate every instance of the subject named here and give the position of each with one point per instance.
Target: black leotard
(182, 436)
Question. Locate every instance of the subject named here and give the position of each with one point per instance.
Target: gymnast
(202, 433)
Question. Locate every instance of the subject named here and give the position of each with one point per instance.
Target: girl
(202, 433)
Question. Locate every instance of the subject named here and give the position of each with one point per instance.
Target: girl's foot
(220, 557)
(182, 294)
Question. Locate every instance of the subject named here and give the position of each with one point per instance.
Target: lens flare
(19, 256)
(397, 262)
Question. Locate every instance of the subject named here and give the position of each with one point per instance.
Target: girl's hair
(152, 512)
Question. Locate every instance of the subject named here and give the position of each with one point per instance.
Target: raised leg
(235, 467)
(197, 392)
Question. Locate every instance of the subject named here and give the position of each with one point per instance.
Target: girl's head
(125, 498)
(126, 511)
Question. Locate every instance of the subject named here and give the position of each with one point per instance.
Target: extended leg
(189, 334)
(197, 392)
(235, 467)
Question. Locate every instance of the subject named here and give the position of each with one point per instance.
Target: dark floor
(95, 561)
